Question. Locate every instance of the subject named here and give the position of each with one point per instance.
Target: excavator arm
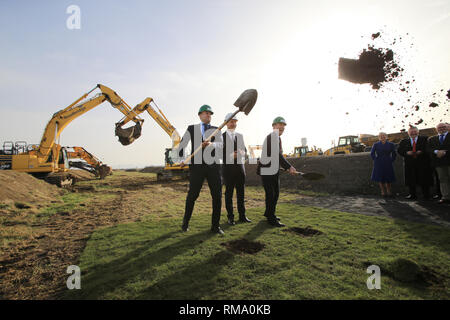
(92, 163)
(157, 115)
(62, 118)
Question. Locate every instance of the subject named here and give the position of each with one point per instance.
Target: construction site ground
(124, 234)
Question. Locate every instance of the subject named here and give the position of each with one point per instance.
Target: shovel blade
(128, 135)
(247, 100)
(312, 176)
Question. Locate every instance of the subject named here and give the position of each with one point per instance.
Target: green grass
(152, 259)
(70, 201)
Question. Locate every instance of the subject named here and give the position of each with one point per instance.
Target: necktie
(441, 139)
(414, 146)
(205, 128)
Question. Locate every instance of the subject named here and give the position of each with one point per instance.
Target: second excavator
(171, 158)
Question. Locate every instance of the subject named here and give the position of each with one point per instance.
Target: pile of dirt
(151, 169)
(307, 232)
(82, 175)
(408, 271)
(21, 187)
(243, 246)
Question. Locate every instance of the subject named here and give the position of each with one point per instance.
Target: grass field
(124, 233)
(152, 259)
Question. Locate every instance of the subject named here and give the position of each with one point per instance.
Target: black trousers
(234, 178)
(197, 175)
(425, 190)
(271, 186)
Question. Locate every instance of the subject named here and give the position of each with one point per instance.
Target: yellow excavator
(346, 145)
(49, 160)
(90, 164)
(171, 158)
(304, 151)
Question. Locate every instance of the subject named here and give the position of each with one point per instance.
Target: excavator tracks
(61, 179)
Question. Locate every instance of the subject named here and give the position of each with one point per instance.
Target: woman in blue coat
(383, 154)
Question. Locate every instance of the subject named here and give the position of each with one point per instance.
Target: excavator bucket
(128, 135)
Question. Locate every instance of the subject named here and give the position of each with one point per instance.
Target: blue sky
(188, 53)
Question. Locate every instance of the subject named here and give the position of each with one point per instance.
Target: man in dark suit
(269, 169)
(439, 150)
(204, 165)
(233, 172)
(417, 165)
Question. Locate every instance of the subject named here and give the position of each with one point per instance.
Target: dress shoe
(437, 197)
(411, 197)
(231, 222)
(217, 230)
(275, 223)
(244, 219)
(274, 217)
(184, 228)
(443, 201)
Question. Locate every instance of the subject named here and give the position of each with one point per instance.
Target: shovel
(245, 104)
(310, 175)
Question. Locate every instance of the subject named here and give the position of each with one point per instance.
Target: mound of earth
(244, 246)
(21, 187)
(154, 169)
(82, 175)
(307, 232)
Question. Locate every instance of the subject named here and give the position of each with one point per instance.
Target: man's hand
(292, 171)
(235, 155)
(419, 152)
(410, 153)
(182, 164)
(441, 153)
(205, 144)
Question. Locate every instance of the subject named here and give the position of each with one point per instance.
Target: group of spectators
(426, 163)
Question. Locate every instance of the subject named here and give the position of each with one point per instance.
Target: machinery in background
(304, 151)
(252, 149)
(90, 162)
(49, 160)
(172, 161)
(346, 145)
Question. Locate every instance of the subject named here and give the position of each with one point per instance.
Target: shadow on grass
(200, 279)
(403, 212)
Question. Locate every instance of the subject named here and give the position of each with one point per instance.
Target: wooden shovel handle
(210, 137)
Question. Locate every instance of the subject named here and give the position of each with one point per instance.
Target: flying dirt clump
(433, 105)
(374, 66)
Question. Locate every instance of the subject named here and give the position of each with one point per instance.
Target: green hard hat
(205, 107)
(278, 120)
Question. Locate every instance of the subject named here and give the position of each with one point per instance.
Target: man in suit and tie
(233, 172)
(269, 169)
(417, 166)
(204, 165)
(439, 150)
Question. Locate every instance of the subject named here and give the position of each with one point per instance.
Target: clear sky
(188, 53)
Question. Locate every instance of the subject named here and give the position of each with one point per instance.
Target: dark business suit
(442, 165)
(199, 170)
(417, 168)
(234, 173)
(271, 183)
